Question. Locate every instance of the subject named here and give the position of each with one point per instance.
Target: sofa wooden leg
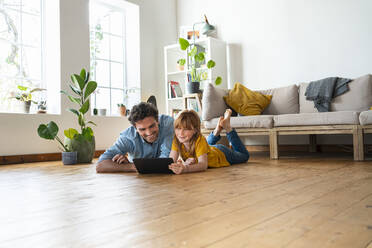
(312, 143)
(358, 143)
(361, 144)
(273, 144)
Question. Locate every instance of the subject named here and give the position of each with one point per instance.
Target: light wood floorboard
(315, 201)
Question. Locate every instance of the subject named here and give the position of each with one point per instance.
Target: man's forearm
(108, 166)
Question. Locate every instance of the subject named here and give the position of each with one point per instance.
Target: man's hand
(177, 168)
(120, 159)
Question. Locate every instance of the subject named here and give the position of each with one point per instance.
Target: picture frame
(187, 33)
(193, 105)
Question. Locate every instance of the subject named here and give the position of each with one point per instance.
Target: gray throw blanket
(322, 91)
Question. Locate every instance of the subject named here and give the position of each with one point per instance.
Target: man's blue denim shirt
(132, 143)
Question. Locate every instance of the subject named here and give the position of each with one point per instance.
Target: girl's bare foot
(225, 123)
(218, 128)
(227, 114)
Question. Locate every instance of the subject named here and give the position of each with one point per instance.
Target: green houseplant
(25, 96)
(181, 64)
(195, 59)
(50, 132)
(84, 142)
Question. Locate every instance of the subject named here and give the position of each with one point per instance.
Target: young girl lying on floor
(198, 153)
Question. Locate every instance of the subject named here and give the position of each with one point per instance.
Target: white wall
(275, 43)
(157, 23)
(280, 42)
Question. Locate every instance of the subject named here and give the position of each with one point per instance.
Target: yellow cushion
(245, 101)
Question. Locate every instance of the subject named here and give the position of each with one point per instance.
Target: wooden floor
(292, 202)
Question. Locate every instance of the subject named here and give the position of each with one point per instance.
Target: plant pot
(180, 67)
(85, 148)
(193, 87)
(101, 112)
(69, 158)
(21, 107)
(122, 110)
(27, 106)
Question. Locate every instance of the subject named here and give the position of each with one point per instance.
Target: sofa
(289, 113)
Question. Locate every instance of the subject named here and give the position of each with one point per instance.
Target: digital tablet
(153, 165)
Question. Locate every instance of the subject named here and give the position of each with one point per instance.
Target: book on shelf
(171, 93)
(176, 88)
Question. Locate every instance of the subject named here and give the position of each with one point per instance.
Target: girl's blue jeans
(238, 153)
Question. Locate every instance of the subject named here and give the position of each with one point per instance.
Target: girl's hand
(190, 161)
(177, 168)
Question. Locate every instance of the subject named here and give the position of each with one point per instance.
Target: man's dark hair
(141, 111)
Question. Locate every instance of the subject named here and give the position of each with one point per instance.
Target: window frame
(22, 45)
(94, 58)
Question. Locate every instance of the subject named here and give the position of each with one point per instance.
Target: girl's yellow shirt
(216, 158)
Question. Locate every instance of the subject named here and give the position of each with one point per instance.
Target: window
(21, 45)
(109, 48)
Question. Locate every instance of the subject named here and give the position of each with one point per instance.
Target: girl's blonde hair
(188, 119)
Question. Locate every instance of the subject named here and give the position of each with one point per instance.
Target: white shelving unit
(214, 49)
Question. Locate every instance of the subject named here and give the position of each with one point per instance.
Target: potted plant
(122, 109)
(181, 64)
(102, 111)
(42, 107)
(195, 59)
(84, 142)
(50, 132)
(25, 97)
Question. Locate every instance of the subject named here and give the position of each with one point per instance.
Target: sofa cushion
(284, 101)
(314, 119)
(365, 118)
(358, 98)
(212, 102)
(305, 105)
(246, 101)
(252, 121)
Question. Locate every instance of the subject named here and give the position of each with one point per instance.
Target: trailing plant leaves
(91, 87)
(211, 64)
(193, 51)
(184, 44)
(70, 133)
(48, 131)
(88, 133)
(204, 75)
(199, 57)
(74, 111)
(85, 107)
(79, 80)
(218, 81)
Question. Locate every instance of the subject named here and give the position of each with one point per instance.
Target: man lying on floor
(150, 136)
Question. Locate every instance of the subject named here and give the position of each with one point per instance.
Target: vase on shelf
(192, 87)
